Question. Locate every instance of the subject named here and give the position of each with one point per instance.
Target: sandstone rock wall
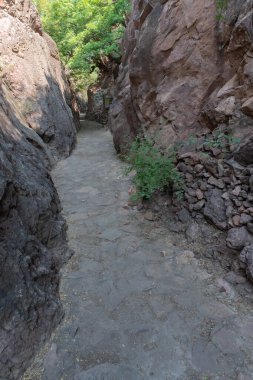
(30, 65)
(184, 71)
(36, 126)
(32, 242)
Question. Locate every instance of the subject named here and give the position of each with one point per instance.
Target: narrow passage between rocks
(132, 313)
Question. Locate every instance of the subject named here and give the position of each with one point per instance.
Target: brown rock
(245, 219)
(215, 152)
(236, 190)
(37, 80)
(236, 219)
(199, 194)
(149, 216)
(191, 192)
(173, 51)
(199, 168)
(180, 44)
(246, 259)
(247, 107)
(188, 177)
(216, 182)
(190, 199)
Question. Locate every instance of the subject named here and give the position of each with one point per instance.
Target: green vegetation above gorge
(87, 33)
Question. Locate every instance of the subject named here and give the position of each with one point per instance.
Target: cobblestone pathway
(133, 313)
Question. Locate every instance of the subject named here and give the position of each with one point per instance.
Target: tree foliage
(87, 32)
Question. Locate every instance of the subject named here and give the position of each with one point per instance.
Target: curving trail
(132, 313)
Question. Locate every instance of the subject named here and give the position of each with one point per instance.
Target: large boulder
(238, 238)
(215, 210)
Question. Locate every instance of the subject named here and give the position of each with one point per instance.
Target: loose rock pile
(219, 186)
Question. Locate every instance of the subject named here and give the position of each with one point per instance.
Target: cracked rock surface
(138, 307)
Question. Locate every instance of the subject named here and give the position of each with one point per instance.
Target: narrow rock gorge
(157, 289)
(37, 127)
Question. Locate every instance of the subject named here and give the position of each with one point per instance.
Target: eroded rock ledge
(36, 126)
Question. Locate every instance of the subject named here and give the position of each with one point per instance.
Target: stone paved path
(133, 313)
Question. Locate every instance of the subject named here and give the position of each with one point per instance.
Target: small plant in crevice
(154, 169)
(221, 140)
(221, 6)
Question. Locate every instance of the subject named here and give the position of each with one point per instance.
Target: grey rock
(244, 154)
(246, 259)
(234, 278)
(193, 232)
(215, 210)
(250, 227)
(199, 205)
(238, 237)
(230, 211)
(203, 186)
(251, 183)
(191, 192)
(245, 219)
(244, 194)
(184, 215)
(190, 199)
(182, 167)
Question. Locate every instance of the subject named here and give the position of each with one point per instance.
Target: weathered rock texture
(34, 97)
(184, 70)
(30, 65)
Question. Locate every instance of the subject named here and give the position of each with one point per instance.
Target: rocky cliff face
(30, 66)
(184, 71)
(36, 124)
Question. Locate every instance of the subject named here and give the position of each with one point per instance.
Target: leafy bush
(154, 170)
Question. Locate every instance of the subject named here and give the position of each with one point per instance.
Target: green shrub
(221, 6)
(220, 140)
(154, 170)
